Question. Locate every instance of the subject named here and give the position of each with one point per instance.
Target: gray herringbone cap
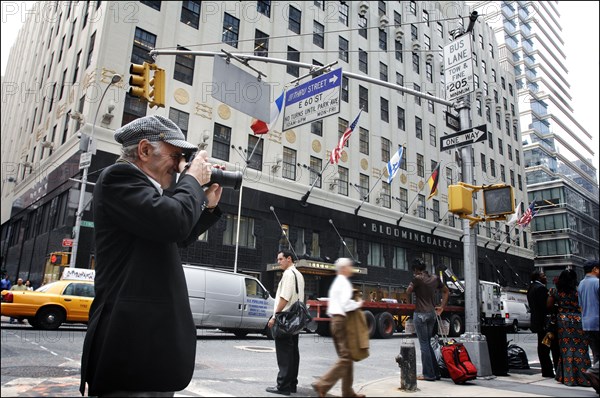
(153, 128)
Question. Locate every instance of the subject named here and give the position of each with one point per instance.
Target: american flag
(527, 216)
(337, 151)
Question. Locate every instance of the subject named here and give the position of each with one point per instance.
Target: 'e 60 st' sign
(458, 67)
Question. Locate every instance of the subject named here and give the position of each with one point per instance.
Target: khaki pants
(343, 368)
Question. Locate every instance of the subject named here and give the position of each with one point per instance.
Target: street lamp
(78, 216)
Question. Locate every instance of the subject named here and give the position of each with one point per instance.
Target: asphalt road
(48, 363)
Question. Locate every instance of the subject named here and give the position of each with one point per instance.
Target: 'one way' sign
(465, 137)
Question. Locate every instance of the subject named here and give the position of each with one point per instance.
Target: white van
(232, 302)
(515, 311)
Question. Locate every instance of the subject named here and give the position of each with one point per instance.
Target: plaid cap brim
(181, 144)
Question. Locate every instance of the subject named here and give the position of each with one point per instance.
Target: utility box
(460, 199)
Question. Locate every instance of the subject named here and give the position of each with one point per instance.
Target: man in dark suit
(537, 296)
(141, 338)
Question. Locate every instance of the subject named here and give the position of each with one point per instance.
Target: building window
(520, 181)
(432, 135)
(62, 85)
(478, 104)
(364, 186)
(488, 113)
(483, 164)
(152, 4)
(502, 173)
(246, 235)
(491, 140)
(399, 50)
(414, 32)
(493, 167)
(181, 119)
(386, 195)
(342, 125)
(512, 178)
(345, 88)
(498, 122)
(190, 13)
(403, 199)
(343, 47)
(449, 180)
(421, 206)
(363, 98)
(261, 44)
(430, 106)
(436, 210)
(382, 40)
(362, 25)
(375, 257)
(343, 8)
(415, 62)
(295, 18)
(517, 157)
(416, 87)
(509, 150)
(418, 127)
(429, 72)
(425, 17)
(403, 159)
(420, 165)
(401, 119)
(289, 164)
(400, 259)
(385, 149)
(385, 110)
(62, 44)
(264, 7)
(255, 147)
(413, 7)
(343, 181)
(316, 165)
(184, 67)
(134, 108)
(318, 34)
(363, 62)
(231, 30)
(316, 127)
(381, 8)
(383, 72)
(293, 55)
(91, 51)
(363, 141)
(427, 41)
(143, 42)
(221, 142)
(500, 146)
(440, 29)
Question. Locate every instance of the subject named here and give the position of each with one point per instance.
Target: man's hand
(213, 195)
(439, 310)
(200, 168)
(271, 322)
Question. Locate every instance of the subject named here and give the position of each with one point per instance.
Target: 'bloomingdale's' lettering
(411, 236)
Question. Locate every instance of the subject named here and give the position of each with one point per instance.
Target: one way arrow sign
(463, 138)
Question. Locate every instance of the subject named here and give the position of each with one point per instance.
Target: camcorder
(226, 179)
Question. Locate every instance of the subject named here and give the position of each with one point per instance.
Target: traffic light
(56, 258)
(460, 199)
(139, 80)
(156, 93)
(498, 201)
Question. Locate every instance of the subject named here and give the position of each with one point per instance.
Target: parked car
(52, 304)
(232, 302)
(515, 312)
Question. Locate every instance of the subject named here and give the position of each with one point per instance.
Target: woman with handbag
(572, 341)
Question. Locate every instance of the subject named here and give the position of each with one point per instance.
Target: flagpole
(438, 223)
(496, 267)
(307, 194)
(367, 195)
(416, 196)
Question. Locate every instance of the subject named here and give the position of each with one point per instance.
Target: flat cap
(153, 128)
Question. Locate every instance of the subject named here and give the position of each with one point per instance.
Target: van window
(254, 289)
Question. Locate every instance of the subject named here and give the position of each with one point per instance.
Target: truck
(385, 317)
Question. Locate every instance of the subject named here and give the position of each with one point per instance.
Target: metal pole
(237, 233)
(80, 207)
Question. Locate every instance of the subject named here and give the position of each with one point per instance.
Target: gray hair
(343, 262)
(130, 152)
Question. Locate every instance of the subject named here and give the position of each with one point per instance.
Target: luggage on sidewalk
(437, 343)
(458, 363)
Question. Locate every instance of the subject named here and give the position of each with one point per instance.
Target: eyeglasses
(176, 156)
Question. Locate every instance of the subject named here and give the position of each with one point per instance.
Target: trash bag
(517, 358)
(436, 345)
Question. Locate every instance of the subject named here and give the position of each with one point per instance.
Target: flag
(515, 216)
(337, 151)
(433, 181)
(260, 127)
(527, 216)
(394, 164)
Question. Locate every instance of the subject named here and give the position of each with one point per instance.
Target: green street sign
(89, 224)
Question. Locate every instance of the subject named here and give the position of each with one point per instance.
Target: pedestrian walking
(572, 342)
(339, 304)
(28, 285)
(537, 297)
(588, 301)
(141, 339)
(425, 287)
(286, 346)
(18, 287)
(5, 283)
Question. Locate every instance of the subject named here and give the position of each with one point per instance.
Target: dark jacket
(141, 335)
(537, 296)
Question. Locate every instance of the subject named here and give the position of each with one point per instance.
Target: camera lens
(226, 179)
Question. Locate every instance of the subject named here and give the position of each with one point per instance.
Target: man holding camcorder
(141, 339)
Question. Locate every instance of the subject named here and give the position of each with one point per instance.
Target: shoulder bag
(294, 320)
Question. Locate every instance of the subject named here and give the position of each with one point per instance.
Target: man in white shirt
(289, 290)
(340, 302)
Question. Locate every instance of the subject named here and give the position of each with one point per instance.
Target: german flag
(433, 181)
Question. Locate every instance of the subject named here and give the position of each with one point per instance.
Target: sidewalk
(521, 385)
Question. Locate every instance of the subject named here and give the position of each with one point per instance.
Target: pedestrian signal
(56, 259)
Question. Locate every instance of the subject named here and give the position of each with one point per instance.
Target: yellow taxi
(51, 305)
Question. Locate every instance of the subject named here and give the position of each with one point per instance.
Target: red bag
(459, 363)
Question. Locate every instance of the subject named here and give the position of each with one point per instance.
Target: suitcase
(458, 363)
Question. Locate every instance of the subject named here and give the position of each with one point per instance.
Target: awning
(310, 266)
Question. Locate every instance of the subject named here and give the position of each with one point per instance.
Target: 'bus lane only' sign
(458, 68)
(313, 100)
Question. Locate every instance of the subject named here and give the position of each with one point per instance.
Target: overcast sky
(579, 20)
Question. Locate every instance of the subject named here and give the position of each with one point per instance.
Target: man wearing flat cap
(141, 338)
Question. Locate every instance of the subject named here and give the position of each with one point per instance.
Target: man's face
(19, 281)
(284, 262)
(543, 278)
(161, 163)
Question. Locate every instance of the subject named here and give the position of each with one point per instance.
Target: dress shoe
(320, 390)
(275, 390)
